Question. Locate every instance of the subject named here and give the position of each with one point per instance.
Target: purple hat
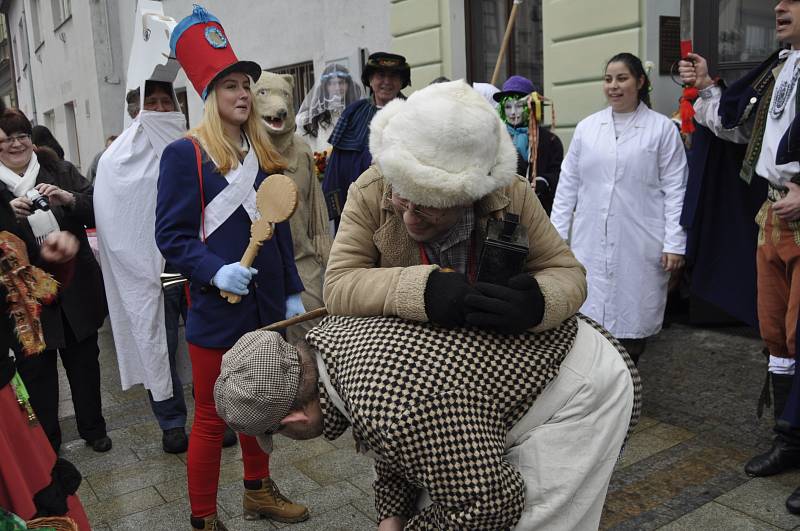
(515, 85)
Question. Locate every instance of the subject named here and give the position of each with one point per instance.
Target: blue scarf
(352, 130)
(519, 135)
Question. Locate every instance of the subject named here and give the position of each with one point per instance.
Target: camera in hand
(504, 250)
(39, 201)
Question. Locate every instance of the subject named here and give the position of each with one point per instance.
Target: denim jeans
(171, 413)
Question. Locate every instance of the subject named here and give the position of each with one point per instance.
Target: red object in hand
(686, 109)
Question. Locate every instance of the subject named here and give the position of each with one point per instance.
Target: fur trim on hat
(445, 146)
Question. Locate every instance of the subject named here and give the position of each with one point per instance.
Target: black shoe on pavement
(103, 444)
(780, 458)
(174, 441)
(230, 438)
(793, 502)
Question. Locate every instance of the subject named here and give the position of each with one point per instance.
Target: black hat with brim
(386, 61)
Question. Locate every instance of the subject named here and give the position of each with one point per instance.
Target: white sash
(239, 191)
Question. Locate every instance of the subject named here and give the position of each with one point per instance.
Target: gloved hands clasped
(234, 278)
(451, 301)
(509, 309)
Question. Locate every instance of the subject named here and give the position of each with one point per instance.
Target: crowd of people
(488, 301)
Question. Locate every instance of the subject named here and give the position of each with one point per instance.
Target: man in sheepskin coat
(425, 204)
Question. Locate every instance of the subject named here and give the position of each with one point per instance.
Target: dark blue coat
(747, 92)
(718, 213)
(212, 322)
(350, 156)
(791, 412)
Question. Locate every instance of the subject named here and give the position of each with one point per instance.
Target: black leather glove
(444, 298)
(510, 309)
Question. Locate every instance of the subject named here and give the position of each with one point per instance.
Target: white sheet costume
(125, 211)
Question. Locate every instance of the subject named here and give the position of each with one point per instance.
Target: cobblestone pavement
(681, 471)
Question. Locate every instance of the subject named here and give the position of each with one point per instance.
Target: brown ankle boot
(268, 502)
(209, 523)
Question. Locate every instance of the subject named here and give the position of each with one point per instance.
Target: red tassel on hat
(686, 109)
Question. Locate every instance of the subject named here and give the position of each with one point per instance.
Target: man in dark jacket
(760, 110)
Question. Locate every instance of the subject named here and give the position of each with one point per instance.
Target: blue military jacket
(212, 322)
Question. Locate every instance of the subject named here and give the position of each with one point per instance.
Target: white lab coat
(627, 196)
(125, 211)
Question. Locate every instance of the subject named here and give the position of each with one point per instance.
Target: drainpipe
(30, 68)
(111, 78)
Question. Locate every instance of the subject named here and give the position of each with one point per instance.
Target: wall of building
(276, 33)
(431, 35)
(665, 91)
(82, 63)
(580, 36)
(71, 79)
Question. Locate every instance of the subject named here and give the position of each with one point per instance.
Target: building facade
(66, 60)
(70, 57)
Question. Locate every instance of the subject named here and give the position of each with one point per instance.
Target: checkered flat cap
(257, 384)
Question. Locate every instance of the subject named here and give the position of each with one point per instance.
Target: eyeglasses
(22, 138)
(429, 215)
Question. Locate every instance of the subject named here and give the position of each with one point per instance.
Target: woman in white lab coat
(624, 179)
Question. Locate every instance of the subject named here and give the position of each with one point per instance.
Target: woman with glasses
(33, 481)
(48, 195)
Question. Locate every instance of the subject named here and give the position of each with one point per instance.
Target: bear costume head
(275, 105)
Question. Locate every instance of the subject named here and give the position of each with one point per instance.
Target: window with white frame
(303, 79)
(62, 10)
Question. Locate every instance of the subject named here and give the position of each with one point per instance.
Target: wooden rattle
(276, 201)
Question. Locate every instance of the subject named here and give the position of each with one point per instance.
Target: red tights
(205, 440)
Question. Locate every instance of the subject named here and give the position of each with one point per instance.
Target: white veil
(319, 100)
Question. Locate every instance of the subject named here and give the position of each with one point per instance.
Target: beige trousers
(567, 444)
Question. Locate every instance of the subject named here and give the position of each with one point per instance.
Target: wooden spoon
(276, 201)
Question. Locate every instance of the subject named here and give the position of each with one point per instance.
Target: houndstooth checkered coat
(435, 405)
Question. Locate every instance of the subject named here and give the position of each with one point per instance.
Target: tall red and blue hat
(201, 47)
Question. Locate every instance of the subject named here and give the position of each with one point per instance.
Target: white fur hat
(445, 146)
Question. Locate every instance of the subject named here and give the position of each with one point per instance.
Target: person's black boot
(793, 502)
(103, 444)
(781, 386)
(229, 438)
(175, 441)
(781, 457)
